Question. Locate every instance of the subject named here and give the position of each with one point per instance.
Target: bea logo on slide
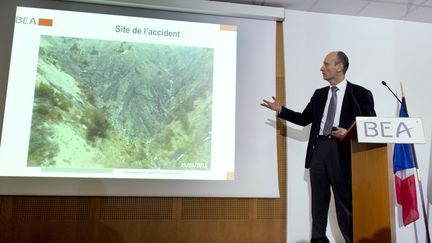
(33, 21)
(25, 20)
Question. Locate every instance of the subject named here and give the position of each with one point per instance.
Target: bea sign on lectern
(389, 130)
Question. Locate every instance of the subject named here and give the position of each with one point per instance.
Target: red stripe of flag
(406, 196)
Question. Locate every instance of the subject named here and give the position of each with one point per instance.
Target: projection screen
(106, 100)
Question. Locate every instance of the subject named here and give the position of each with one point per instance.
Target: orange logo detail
(45, 22)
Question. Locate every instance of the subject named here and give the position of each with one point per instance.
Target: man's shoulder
(322, 89)
(357, 87)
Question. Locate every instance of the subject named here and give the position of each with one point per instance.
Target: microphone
(385, 84)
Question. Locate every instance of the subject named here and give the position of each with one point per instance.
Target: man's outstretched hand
(275, 105)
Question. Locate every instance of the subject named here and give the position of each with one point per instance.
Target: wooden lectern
(372, 191)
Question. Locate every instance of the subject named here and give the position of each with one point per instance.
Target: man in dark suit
(331, 110)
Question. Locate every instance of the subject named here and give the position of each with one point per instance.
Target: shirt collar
(342, 86)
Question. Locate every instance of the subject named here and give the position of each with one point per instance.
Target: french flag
(405, 183)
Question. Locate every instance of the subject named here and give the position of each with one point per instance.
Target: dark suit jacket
(357, 101)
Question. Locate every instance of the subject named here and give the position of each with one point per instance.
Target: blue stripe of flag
(403, 155)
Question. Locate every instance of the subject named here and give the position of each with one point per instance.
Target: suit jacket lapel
(346, 110)
(321, 102)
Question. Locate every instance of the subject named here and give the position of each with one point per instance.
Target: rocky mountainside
(144, 105)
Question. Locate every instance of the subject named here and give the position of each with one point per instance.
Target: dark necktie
(331, 112)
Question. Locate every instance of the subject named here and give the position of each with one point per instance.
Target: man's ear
(339, 67)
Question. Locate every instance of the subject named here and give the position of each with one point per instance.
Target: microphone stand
(403, 103)
(385, 84)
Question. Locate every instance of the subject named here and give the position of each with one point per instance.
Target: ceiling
(409, 10)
